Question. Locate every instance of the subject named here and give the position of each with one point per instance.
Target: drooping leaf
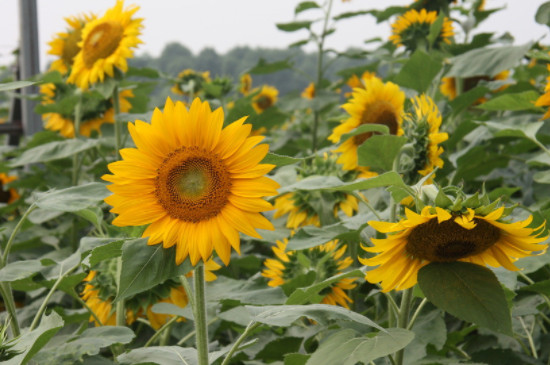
(468, 291)
(53, 151)
(345, 348)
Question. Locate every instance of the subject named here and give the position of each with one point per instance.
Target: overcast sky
(223, 24)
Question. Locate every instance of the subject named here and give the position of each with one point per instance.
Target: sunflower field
(395, 214)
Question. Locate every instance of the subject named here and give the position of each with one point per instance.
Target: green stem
(85, 305)
(529, 338)
(416, 313)
(4, 256)
(201, 328)
(402, 320)
(118, 127)
(192, 333)
(251, 326)
(120, 309)
(160, 331)
(42, 308)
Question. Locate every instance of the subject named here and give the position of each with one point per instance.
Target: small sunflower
(441, 235)
(378, 103)
(65, 44)
(449, 89)
(326, 261)
(544, 99)
(266, 98)
(414, 26)
(106, 43)
(309, 91)
(422, 131)
(193, 183)
(94, 113)
(245, 84)
(10, 195)
(190, 82)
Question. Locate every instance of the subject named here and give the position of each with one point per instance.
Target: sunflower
(440, 235)
(414, 26)
(266, 98)
(449, 89)
(190, 82)
(106, 43)
(325, 260)
(92, 118)
(195, 184)
(65, 44)
(378, 103)
(544, 100)
(309, 91)
(355, 81)
(422, 131)
(245, 84)
(10, 195)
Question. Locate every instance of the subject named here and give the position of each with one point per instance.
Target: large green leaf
(72, 199)
(468, 291)
(487, 61)
(88, 343)
(31, 342)
(145, 266)
(345, 348)
(18, 270)
(380, 152)
(54, 151)
(543, 14)
(516, 101)
(285, 315)
(419, 71)
(166, 355)
(7, 86)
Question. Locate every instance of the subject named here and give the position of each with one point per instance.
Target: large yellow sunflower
(10, 195)
(422, 131)
(92, 120)
(414, 26)
(449, 89)
(438, 235)
(325, 260)
(195, 184)
(106, 44)
(378, 103)
(65, 44)
(265, 99)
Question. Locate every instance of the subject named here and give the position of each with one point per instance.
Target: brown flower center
(192, 184)
(71, 47)
(449, 241)
(5, 195)
(102, 41)
(264, 102)
(379, 112)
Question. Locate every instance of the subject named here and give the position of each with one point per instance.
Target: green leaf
(143, 72)
(264, 67)
(350, 14)
(517, 101)
(285, 315)
(280, 160)
(305, 5)
(345, 348)
(468, 291)
(110, 249)
(245, 292)
(18, 270)
(296, 359)
(380, 152)
(145, 266)
(7, 86)
(53, 151)
(72, 199)
(543, 14)
(515, 127)
(166, 355)
(88, 343)
(419, 71)
(435, 28)
(31, 342)
(308, 295)
(378, 128)
(293, 26)
(486, 61)
(468, 98)
(542, 287)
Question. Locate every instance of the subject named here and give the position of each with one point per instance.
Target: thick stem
(251, 326)
(200, 315)
(403, 319)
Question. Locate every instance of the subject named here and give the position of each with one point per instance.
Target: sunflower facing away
(65, 44)
(378, 103)
(439, 235)
(195, 184)
(107, 43)
(94, 114)
(449, 89)
(422, 131)
(265, 99)
(10, 195)
(326, 261)
(190, 82)
(414, 26)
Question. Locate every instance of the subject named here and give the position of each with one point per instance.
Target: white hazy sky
(223, 24)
